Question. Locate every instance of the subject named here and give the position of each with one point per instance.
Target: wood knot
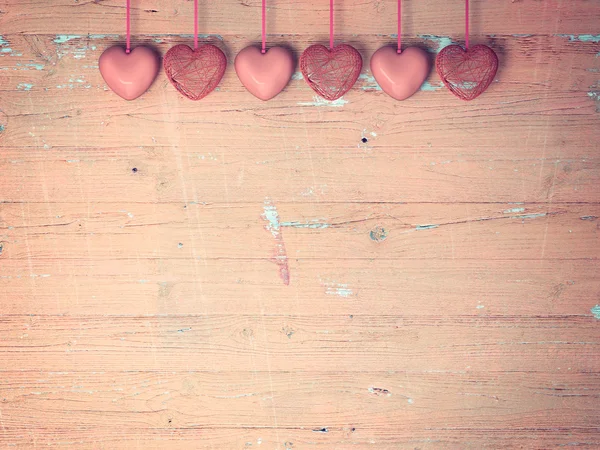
(378, 234)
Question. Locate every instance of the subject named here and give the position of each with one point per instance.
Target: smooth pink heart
(400, 75)
(264, 74)
(331, 73)
(467, 73)
(195, 73)
(129, 75)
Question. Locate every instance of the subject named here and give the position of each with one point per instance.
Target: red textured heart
(195, 73)
(331, 73)
(467, 73)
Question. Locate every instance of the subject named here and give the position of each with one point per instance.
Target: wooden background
(299, 274)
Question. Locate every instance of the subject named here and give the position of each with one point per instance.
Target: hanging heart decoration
(129, 73)
(195, 73)
(264, 73)
(467, 73)
(331, 73)
(400, 73)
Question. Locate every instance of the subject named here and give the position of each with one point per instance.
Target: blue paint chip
(426, 227)
(596, 311)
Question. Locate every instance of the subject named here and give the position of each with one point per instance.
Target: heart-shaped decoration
(129, 75)
(467, 73)
(331, 73)
(195, 73)
(264, 74)
(400, 75)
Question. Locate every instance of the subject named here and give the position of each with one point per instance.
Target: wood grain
(299, 274)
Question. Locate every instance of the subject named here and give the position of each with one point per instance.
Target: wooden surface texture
(300, 274)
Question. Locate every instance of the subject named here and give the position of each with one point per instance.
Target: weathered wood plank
(293, 231)
(289, 16)
(186, 286)
(329, 343)
(293, 438)
(366, 173)
(394, 408)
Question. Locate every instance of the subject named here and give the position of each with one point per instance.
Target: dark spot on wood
(151, 10)
(1, 248)
(353, 429)
(378, 234)
(134, 170)
(588, 217)
(170, 420)
(320, 430)
(379, 391)
(364, 140)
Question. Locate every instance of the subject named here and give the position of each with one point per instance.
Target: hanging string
(330, 24)
(128, 45)
(467, 24)
(264, 26)
(399, 27)
(195, 24)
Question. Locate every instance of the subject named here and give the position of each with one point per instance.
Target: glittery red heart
(467, 73)
(331, 73)
(195, 73)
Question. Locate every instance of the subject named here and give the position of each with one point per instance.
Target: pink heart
(195, 73)
(264, 74)
(331, 73)
(400, 75)
(129, 75)
(467, 73)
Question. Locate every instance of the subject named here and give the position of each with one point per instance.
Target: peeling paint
(297, 76)
(581, 37)
(428, 87)
(62, 38)
(522, 35)
(530, 216)
(273, 225)
(596, 311)
(426, 227)
(320, 101)
(441, 41)
(315, 224)
(369, 82)
(339, 289)
(24, 86)
(4, 45)
(513, 210)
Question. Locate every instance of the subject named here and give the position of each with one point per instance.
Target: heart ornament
(195, 73)
(467, 73)
(331, 72)
(129, 75)
(400, 75)
(264, 74)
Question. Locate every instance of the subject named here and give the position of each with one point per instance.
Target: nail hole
(134, 170)
(364, 140)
